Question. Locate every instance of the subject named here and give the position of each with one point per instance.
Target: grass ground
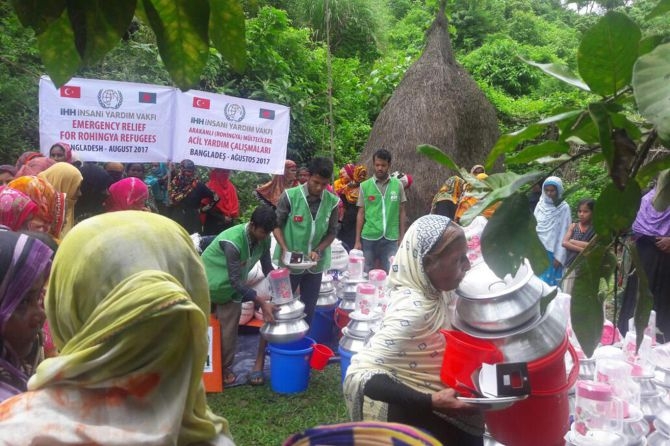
(260, 417)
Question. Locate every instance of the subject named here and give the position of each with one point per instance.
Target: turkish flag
(200, 102)
(69, 91)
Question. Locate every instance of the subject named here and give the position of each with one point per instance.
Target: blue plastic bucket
(321, 329)
(289, 365)
(345, 360)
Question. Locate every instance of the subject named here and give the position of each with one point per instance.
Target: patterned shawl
(408, 347)
(127, 304)
(16, 209)
(65, 178)
(23, 261)
(553, 221)
(50, 203)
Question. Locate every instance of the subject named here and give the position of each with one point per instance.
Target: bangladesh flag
(147, 98)
(266, 114)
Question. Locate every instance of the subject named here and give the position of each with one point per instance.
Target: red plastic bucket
(341, 318)
(542, 418)
(463, 355)
(320, 356)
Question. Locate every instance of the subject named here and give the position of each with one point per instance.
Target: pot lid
(482, 283)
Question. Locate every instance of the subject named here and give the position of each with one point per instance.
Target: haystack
(437, 103)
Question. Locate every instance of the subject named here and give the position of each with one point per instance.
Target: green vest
(303, 233)
(216, 264)
(382, 212)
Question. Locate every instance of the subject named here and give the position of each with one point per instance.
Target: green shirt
(302, 232)
(214, 259)
(382, 211)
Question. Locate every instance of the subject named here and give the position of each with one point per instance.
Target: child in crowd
(577, 238)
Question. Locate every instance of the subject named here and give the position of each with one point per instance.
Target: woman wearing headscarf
(396, 376)
(35, 166)
(447, 198)
(221, 216)
(348, 199)
(24, 268)
(120, 282)
(93, 191)
(186, 194)
(129, 194)
(25, 157)
(61, 152)
(7, 174)
(270, 192)
(346, 176)
(115, 170)
(651, 235)
(553, 220)
(157, 180)
(67, 179)
(50, 214)
(16, 209)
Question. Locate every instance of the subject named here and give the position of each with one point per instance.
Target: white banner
(107, 120)
(238, 134)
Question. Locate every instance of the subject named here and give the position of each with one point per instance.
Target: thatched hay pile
(436, 103)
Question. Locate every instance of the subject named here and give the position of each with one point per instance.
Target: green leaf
(650, 170)
(661, 8)
(601, 119)
(437, 155)
(652, 88)
(580, 128)
(649, 43)
(508, 142)
(621, 121)
(532, 153)
(99, 25)
(181, 31)
(58, 52)
(586, 307)
(502, 185)
(607, 53)
(559, 72)
(226, 29)
(509, 237)
(615, 210)
(560, 117)
(38, 14)
(662, 197)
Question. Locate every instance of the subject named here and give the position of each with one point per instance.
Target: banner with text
(108, 120)
(216, 130)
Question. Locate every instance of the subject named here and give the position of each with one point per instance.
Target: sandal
(229, 377)
(256, 378)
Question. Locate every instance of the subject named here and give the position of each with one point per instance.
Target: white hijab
(553, 220)
(408, 346)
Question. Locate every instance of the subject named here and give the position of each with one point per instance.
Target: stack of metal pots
(289, 325)
(327, 294)
(507, 313)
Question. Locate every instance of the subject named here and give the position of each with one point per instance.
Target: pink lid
(594, 390)
(280, 273)
(377, 275)
(366, 288)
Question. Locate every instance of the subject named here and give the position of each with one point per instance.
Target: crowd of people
(91, 275)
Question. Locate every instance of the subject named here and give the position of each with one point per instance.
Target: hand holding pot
(445, 401)
(268, 309)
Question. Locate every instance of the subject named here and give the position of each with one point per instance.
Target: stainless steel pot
(327, 284)
(347, 305)
(350, 342)
(361, 326)
(326, 300)
(530, 342)
(290, 310)
(489, 303)
(284, 331)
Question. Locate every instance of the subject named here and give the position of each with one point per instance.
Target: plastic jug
(366, 299)
(356, 264)
(596, 408)
(280, 286)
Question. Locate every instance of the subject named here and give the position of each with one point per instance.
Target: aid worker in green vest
(228, 260)
(307, 223)
(380, 223)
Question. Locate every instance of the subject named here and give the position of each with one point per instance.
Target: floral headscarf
(16, 209)
(352, 189)
(121, 281)
(35, 166)
(50, 203)
(181, 185)
(272, 190)
(451, 190)
(25, 157)
(23, 261)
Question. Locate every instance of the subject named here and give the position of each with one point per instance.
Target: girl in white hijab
(396, 377)
(553, 220)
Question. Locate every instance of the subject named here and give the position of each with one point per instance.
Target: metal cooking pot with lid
(283, 331)
(488, 303)
(290, 310)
